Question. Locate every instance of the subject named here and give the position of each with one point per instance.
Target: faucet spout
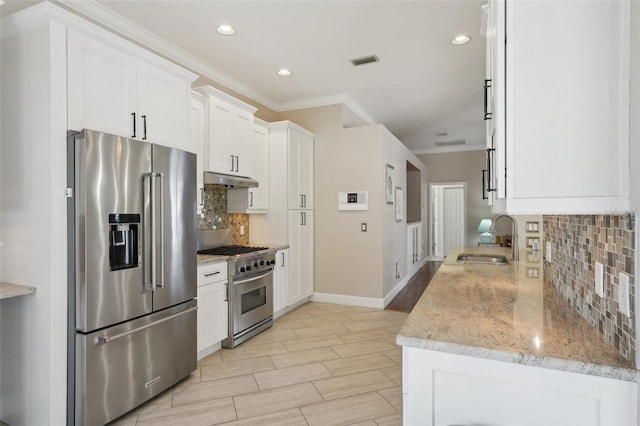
(514, 239)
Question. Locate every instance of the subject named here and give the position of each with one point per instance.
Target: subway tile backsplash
(214, 215)
(578, 241)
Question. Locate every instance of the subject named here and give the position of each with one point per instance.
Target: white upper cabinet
(564, 145)
(163, 105)
(102, 86)
(197, 137)
(254, 200)
(300, 169)
(117, 88)
(230, 133)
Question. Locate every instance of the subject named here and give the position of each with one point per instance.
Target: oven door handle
(254, 278)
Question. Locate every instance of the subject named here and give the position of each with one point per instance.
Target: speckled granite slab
(205, 259)
(508, 313)
(8, 290)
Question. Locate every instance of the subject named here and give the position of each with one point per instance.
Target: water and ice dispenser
(124, 235)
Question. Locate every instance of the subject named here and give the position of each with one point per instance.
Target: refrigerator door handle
(158, 220)
(108, 339)
(154, 261)
(148, 186)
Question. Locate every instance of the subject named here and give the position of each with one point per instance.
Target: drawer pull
(212, 273)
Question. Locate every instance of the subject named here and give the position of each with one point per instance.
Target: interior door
(453, 218)
(175, 239)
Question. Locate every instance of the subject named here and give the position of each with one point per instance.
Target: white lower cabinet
(448, 389)
(301, 245)
(213, 307)
(281, 281)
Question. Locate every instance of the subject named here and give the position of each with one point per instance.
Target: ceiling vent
(451, 143)
(365, 60)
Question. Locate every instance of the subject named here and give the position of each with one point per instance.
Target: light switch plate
(599, 279)
(623, 294)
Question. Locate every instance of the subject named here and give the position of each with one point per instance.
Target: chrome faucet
(514, 238)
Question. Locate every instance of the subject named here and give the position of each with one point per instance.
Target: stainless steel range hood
(211, 178)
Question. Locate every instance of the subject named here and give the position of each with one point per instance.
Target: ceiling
(423, 85)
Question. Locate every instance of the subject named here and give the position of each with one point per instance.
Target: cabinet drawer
(212, 273)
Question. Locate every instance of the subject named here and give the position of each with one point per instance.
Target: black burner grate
(231, 250)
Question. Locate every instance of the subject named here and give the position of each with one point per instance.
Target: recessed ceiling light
(226, 30)
(283, 72)
(461, 39)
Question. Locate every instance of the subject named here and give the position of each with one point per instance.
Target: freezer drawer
(121, 367)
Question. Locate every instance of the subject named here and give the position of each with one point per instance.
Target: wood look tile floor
(320, 364)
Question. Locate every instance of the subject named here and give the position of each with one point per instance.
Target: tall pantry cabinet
(60, 73)
(290, 217)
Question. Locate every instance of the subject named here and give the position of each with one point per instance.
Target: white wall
(33, 226)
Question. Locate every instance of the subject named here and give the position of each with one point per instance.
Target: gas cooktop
(232, 250)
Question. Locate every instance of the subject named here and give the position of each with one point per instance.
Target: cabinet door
(301, 254)
(220, 156)
(212, 314)
(293, 169)
(197, 138)
(242, 143)
(259, 197)
(163, 105)
(102, 86)
(300, 170)
(281, 281)
(306, 171)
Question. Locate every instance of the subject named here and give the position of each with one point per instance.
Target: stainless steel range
(250, 289)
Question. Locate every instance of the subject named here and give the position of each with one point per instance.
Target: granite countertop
(205, 259)
(8, 290)
(508, 313)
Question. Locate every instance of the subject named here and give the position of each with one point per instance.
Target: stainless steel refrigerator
(132, 273)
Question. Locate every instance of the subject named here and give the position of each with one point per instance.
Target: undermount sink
(489, 259)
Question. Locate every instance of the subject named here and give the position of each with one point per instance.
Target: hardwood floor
(408, 297)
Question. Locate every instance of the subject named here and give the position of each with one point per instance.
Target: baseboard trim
(368, 302)
(290, 308)
(341, 299)
(209, 350)
(403, 283)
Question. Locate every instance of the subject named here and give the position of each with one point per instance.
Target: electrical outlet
(547, 254)
(397, 271)
(623, 294)
(599, 279)
(241, 229)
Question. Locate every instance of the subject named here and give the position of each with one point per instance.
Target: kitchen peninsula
(496, 344)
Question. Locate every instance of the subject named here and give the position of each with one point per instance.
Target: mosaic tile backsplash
(214, 215)
(578, 241)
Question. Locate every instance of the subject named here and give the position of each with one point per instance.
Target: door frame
(433, 191)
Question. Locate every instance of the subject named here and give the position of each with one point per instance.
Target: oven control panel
(253, 264)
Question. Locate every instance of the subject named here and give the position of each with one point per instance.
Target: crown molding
(136, 34)
(444, 150)
(345, 99)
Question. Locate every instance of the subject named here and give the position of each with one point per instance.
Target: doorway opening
(447, 216)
